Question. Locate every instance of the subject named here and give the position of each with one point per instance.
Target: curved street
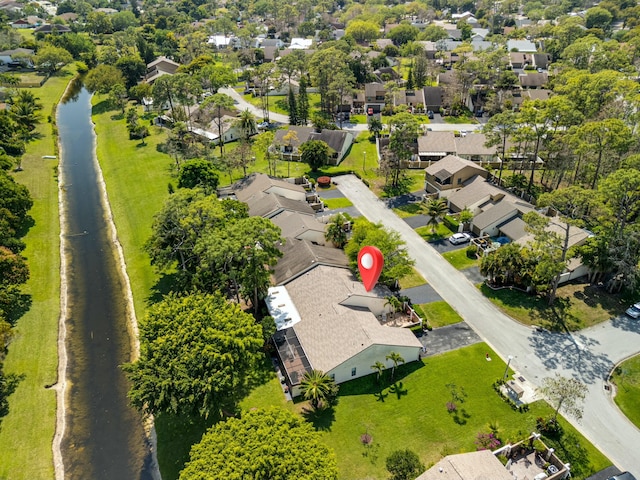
(588, 355)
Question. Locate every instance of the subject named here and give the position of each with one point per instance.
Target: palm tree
(379, 367)
(396, 359)
(247, 124)
(394, 302)
(335, 232)
(317, 387)
(436, 208)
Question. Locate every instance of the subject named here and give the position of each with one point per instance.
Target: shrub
(472, 252)
(549, 427)
(451, 407)
(487, 441)
(404, 465)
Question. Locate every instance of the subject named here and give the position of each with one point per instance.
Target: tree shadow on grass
(322, 419)
(14, 304)
(369, 384)
(101, 107)
(176, 435)
(398, 390)
(8, 385)
(168, 282)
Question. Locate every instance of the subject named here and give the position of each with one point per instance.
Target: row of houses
(497, 212)
(325, 319)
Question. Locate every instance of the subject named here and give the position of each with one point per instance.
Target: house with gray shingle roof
(258, 183)
(300, 256)
(327, 321)
(300, 226)
(268, 205)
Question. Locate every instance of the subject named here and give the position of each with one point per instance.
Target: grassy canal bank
(27, 431)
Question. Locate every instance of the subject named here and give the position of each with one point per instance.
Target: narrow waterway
(104, 437)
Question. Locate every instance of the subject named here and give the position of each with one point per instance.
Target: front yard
(438, 314)
(626, 376)
(578, 306)
(411, 412)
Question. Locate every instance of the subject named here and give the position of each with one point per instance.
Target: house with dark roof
(533, 80)
(51, 28)
(451, 172)
(301, 256)
(287, 142)
(433, 98)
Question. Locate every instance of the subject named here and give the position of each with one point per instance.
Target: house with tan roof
(160, 66)
(300, 226)
(327, 321)
(258, 183)
(435, 145)
(268, 205)
(451, 172)
(480, 465)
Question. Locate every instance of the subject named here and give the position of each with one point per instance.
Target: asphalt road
(588, 355)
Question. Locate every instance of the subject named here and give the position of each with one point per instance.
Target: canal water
(104, 437)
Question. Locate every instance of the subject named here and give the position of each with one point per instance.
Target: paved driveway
(588, 355)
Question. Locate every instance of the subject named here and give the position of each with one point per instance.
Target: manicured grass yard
(411, 413)
(333, 203)
(137, 177)
(427, 233)
(459, 259)
(414, 279)
(627, 378)
(578, 306)
(27, 431)
(438, 314)
(408, 210)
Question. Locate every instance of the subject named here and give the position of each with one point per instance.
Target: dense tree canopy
(197, 353)
(397, 262)
(269, 444)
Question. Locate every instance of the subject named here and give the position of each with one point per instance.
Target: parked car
(263, 125)
(430, 114)
(458, 238)
(623, 476)
(634, 310)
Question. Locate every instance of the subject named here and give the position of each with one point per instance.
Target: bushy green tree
(271, 443)
(397, 262)
(315, 153)
(197, 353)
(404, 465)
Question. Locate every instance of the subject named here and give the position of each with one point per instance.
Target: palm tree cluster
(380, 367)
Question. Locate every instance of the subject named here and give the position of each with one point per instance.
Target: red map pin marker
(370, 263)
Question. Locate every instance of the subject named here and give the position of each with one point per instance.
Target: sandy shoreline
(132, 323)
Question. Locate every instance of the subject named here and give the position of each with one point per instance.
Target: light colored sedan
(634, 311)
(458, 238)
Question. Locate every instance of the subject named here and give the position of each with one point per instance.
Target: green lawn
(27, 431)
(411, 413)
(626, 376)
(137, 178)
(427, 233)
(280, 103)
(459, 120)
(408, 210)
(438, 314)
(333, 203)
(459, 259)
(414, 279)
(578, 306)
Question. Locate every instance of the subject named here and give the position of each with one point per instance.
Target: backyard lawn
(578, 306)
(438, 314)
(137, 178)
(27, 431)
(459, 259)
(626, 376)
(411, 412)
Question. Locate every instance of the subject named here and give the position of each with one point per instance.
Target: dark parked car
(623, 476)
(430, 115)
